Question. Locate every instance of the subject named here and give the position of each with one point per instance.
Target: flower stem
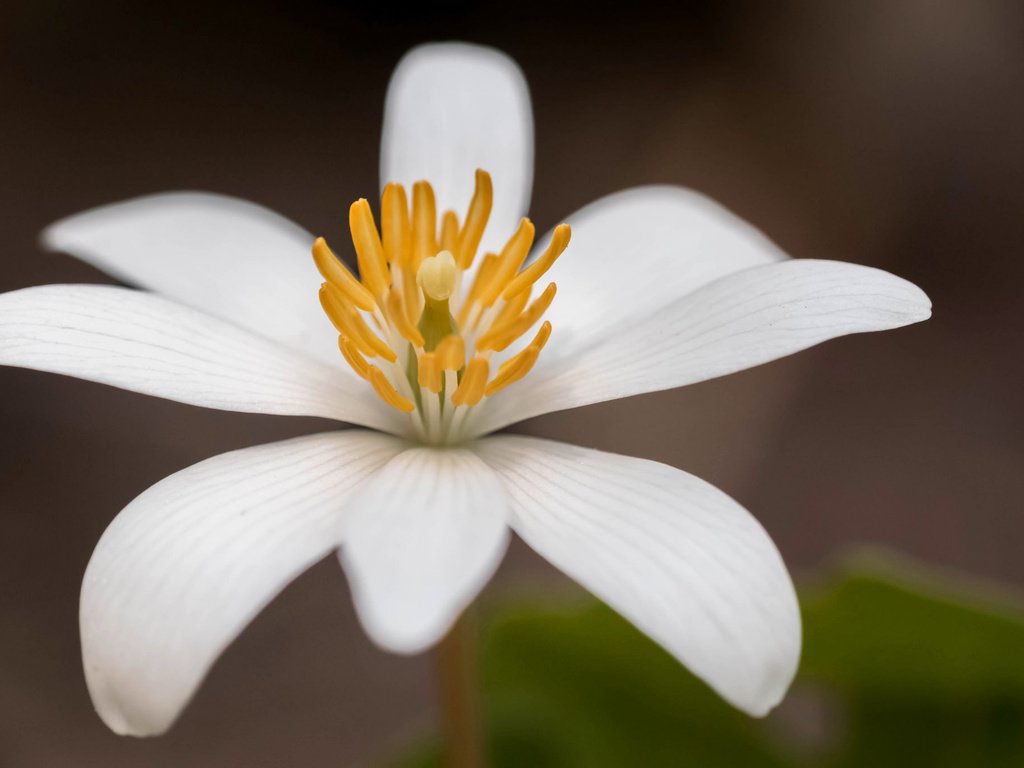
(461, 726)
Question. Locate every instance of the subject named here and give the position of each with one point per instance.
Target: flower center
(438, 330)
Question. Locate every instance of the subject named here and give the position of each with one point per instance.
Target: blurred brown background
(886, 133)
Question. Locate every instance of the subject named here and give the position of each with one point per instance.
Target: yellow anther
(424, 222)
(517, 367)
(387, 391)
(395, 228)
(451, 352)
(437, 276)
(450, 231)
(533, 273)
(543, 334)
(354, 358)
(483, 276)
(471, 389)
(399, 318)
(351, 324)
(429, 374)
(476, 220)
(373, 268)
(511, 310)
(511, 258)
(336, 274)
(499, 337)
(412, 279)
(412, 296)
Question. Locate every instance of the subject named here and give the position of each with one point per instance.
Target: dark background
(886, 133)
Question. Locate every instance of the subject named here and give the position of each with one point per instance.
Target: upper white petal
(635, 251)
(234, 259)
(184, 567)
(674, 555)
(419, 540)
(148, 344)
(738, 321)
(452, 108)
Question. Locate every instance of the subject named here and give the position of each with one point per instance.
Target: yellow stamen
(471, 389)
(515, 368)
(450, 231)
(387, 392)
(396, 230)
(373, 268)
(511, 258)
(451, 352)
(476, 220)
(511, 310)
(351, 354)
(412, 296)
(437, 276)
(483, 276)
(335, 273)
(499, 337)
(399, 318)
(424, 222)
(429, 374)
(533, 273)
(412, 280)
(351, 324)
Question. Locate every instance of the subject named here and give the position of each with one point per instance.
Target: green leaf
(901, 667)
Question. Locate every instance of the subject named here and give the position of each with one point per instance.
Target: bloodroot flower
(453, 330)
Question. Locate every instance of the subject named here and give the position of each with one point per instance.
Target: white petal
(189, 563)
(452, 108)
(741, 320)
(674, 555)
(233, 259)
(635, 251)
(419, 540)
(148, 344)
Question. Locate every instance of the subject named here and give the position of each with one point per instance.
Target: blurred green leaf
(901, 667)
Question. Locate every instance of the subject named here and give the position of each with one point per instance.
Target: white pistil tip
(436, 276)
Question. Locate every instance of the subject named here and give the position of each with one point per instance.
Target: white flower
(659, 288)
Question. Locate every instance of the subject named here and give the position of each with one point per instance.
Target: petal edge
(419, 541)
(452, 108)
(739, 321)
(189, 563)
(677, 557)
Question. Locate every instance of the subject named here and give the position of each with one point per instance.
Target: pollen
(434, 327)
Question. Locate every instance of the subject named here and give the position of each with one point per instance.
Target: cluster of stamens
(434, 326)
